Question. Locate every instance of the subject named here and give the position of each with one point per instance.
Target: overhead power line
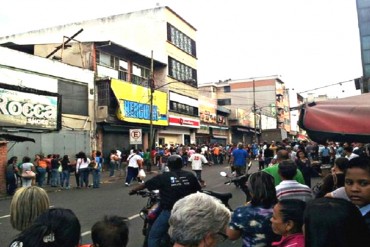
(334, 84)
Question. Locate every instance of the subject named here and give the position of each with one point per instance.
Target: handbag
(141, 174)
(28, 174)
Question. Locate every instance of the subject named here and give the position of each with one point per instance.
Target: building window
(224, 101)
(182, 72)
(122, 70)
(140, 75)
(180, 40)
(106, 97)
(279, 97)
(183, 109)
(74, 98)
(227, 89)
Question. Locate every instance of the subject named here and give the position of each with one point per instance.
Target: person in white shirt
(82, 168)
(197, 160)
(135, 162)
(349, 153)
(290, 188)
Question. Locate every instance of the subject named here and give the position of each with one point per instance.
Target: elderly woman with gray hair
(198, 220)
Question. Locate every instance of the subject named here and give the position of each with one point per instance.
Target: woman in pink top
(287, 221)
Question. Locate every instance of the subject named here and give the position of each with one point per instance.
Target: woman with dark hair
(252, 222)
(334, 180)
(56, 227)
(27, 166)
(304, 165)
(331, 222)
(287, 221)
(97, 169)
(11, 175)
(66, 168)
(82, 168)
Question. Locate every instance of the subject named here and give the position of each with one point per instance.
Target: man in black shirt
(172, 186)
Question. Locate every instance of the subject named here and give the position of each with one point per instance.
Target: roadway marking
(129, 218)
(8, 215)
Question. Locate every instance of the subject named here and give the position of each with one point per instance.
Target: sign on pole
(135, 136)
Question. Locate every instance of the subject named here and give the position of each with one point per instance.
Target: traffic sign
(135, 136)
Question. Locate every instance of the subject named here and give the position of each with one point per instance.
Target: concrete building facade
(158, 33)
(48, 101)
(257, 106)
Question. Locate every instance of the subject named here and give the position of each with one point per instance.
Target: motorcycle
(149, 212)
(152, 209)
(239, 181)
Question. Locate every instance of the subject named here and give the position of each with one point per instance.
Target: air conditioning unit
(102, 112)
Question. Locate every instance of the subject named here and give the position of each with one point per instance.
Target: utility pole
(151, 88)
(255, 112)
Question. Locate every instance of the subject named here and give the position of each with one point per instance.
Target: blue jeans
(84, 177)
(11, 183)
(55, 178)
(131, 173)
(112, 165)
(159, 229)
(65, 179)
(41, 173)
(96, 178)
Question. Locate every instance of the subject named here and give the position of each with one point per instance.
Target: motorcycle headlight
(142, 215)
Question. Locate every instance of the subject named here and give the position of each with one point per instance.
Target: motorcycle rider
(172, 186)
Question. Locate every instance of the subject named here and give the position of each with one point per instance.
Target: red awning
(346, 119)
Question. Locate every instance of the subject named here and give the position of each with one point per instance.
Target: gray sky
(309, 43)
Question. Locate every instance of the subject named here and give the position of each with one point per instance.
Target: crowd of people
(284, 209)
(40, 225)
(54, 171)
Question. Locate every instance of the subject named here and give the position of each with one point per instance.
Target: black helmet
(174, 162)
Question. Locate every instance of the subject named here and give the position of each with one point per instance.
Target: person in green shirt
(274, 169)
(146, 158)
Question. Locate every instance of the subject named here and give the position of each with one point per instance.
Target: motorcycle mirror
(224, 174)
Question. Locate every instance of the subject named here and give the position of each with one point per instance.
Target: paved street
(90, 205)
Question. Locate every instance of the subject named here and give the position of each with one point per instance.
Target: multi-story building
(259, 107)
(120, 54)
(46, 100)
(214, 126)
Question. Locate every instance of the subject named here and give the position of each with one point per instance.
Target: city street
(90, 205)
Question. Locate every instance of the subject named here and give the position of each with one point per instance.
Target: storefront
(220, 135)
(181, 130)
(242, 134)
(203, 135)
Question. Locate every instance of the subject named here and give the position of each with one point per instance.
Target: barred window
(181, 40)
(182, 72)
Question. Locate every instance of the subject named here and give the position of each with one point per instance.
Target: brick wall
(3, 160)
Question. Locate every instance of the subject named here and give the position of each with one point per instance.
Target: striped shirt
(291, 189)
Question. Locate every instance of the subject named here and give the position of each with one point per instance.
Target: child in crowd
(357, 186)
(252, 222)
(112, 231)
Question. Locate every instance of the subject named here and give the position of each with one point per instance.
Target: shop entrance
(186, 140)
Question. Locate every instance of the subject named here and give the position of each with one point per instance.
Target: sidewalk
(104, 178)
